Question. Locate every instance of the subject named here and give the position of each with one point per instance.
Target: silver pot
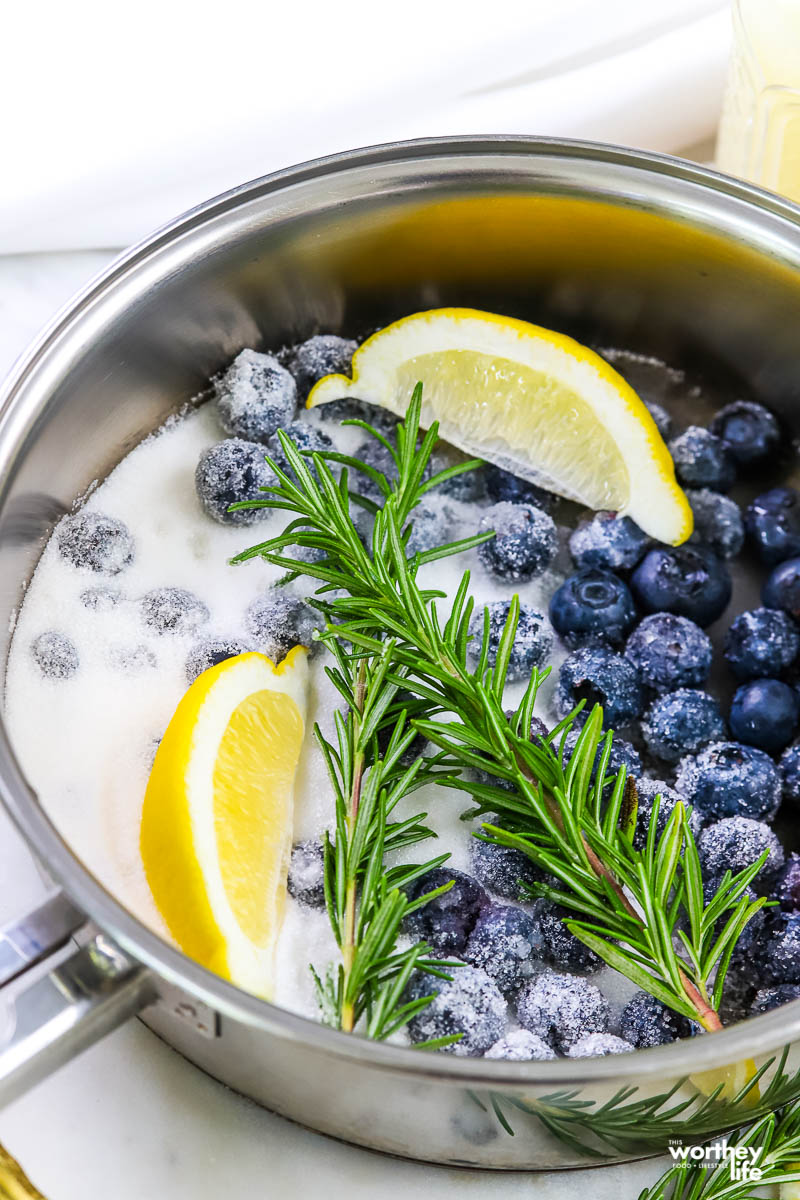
(646, 252)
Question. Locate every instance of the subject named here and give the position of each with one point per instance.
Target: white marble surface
(130, 1119)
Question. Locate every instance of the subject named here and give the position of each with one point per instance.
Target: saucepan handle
(63, 985)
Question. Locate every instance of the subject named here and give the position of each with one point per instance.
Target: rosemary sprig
(642, 911)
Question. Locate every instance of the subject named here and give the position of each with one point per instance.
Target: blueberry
(761, 642)
(561, 1009)
(772, 522)
(380, 458)
(764, 713)
(95, 541)
(502, 870)
(768, 998)
(468, 487)
(646, 1022)
(593, 607)
(306, 438)
(735, 843)
(55, 655)
(306, 873)
(350, 409)
(749, 430)
(680, 723)
(446, 922)
(599, 676)
(718, 522)
(598, 1045)
(782, 587)
(101, 599)
(606, 540)
(278, 622)
(173, 610)
(787, 886)
(533, 640)
(727, 779)
(669, 652)
(702, 460)
(231, 471)
(780, 962)
(431, 525)
(789, 769)
(562, 949)
(470, 1004)
(623, 754)
(647, 790)
(663, 420)
(211, 653)
(503, 485)
(323, 354)
(524, 543)
(521, 1046)
(506, 943)
(687, 580)
(255, 396)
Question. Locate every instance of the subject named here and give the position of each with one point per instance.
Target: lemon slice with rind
(217, 818)
(533, 401)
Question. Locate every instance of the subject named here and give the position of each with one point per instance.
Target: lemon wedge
(217, 818)
(533, 401)
(733, 1078)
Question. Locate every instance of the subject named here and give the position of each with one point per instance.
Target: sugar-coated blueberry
(521, 1046)
(502, 870)
(306, 437)
(503, 485)
(687, 580)
(682, 722)
(789, 769)
(278, 622)
(764, 713)
(96, 542)
(524, 543)
(101, 599)
(782, 587)
(598, 1045)
(305, 881)
(469, 486)
(702, 460)
(533, 640)
(561, 1009)
(608, 541)
(718, 522)
(211, 653)
(728, 779)
(761, 642)
(623, 754)
(55, 655)
(599, 676)
(431, 525)
(255, 396)
(749, 430)
(780, 960)
(735, 843)
(774, 997)
(323, 354)
(787, 886)
(772, 522)
(446, 922)
(230, 472)
(131, 660)
(173, 610)
(506, 943)
(647, 790)
(669, 652)
(593, 607)
(561, 949)
(646, 1022)
(663, 420)
(470, 1004)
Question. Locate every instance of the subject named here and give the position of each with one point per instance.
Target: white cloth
(117, 117)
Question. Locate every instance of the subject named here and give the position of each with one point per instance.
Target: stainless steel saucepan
(624, 248)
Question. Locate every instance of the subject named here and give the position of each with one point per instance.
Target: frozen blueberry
(680, 723)
(533, 640)
(506, 943)
(761, 642)
(687, 580)
(789, 769)
(524, 543)
(749, 430)
(229, 472)
(255, 396)
(305, 881)
(211, 653)
(173, 610)
(623, 754)
(780, 962)
(503, 485)
(764, 713)
(95, 541)
(323, 354)
(772, 522)
(735, 843)
(598, 1045)
(768, 998)
(718, 522)
(55, 655)
(599, 676)
(521, 1046)
(501, 869)
(278, 622)
(562, 1008)
(306, 437)
(782, 587)
(470, 1004)
(469, 486)
(664, 422)
(606, 540)
(647, 790)
(431, 525)
(787, 886)
(562, 949)
(702, 460)
(593, 607)
(446, 922)
(645, 1022)
(728, 779)
(101, 599)
(669, 652)
(131, 660)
